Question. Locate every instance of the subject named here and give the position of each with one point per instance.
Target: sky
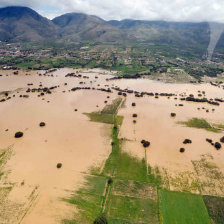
(169, 10)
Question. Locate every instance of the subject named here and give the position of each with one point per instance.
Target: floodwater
(68, 138)
(71, 139)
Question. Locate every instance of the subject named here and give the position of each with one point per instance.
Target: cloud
(170, 10)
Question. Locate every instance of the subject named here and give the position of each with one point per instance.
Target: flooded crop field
(79, 145)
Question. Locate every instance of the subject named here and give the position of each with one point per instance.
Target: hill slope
(24, 24)
(78, 26)
(21, 24)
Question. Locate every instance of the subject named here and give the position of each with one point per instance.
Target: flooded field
(33, 185)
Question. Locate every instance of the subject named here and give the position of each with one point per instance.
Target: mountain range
(22, 24)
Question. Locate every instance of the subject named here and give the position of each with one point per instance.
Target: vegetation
(104, 118)
(124, 191)
(201, 123)
(100, 220)
(131, 59)
(215, 207)
(42, 124)
(18, 134)
(183, 208)
(88, 200)
(5, 154)
(108, 114)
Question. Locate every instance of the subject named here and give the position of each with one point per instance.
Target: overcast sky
(171, 10)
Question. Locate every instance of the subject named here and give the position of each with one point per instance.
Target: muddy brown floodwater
(32, 187)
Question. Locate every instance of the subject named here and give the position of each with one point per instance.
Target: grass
(183, 208)
(215, 207)
(124, 166)
(219, 126)
(210, 177)
(104, 118)
(131, 197)
(129, 168)
(112, 108)
(185, 182)
(108, 115)
(88, 200)
(2, 156)
(134, 189)
(202, 124)
(134, 210)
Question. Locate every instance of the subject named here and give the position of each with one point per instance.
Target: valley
(95, 125)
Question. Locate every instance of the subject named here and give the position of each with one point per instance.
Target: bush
(217, 145)
(110, 181)
(222, 139)
(59, 165)
(134, 115)
(18, 134)
(209, 140)
(187, 141)
(182, 150)
(145, 143)
(173, 115)
(100, 220)
(42, 124)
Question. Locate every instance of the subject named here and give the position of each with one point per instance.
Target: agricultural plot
(132, 202)
(133, 210)
(215, 207)
(184, 182)
(210, 177)
(89, 200)
(182, 208)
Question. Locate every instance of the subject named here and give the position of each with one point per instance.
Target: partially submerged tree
(187, 141)
(18, 134)
(42, 124)
(145, 143)
(222, 139)
(100, 220)
(218, 145)
(182, 150)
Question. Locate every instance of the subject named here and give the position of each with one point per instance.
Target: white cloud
(172, 10)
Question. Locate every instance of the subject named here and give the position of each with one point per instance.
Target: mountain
(21, 24)
(168, 32)
(24, 24)
(79, 26)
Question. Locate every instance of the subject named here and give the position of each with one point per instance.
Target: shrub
(134, 115)
(18, 134)
(59, 165)
(187, 141)
(100, 220)
(222, 139)
(182, 150)
(145, 143)
(42, 124)
(173, 115)
(209, 140)
(110, 181)
(217, 145)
